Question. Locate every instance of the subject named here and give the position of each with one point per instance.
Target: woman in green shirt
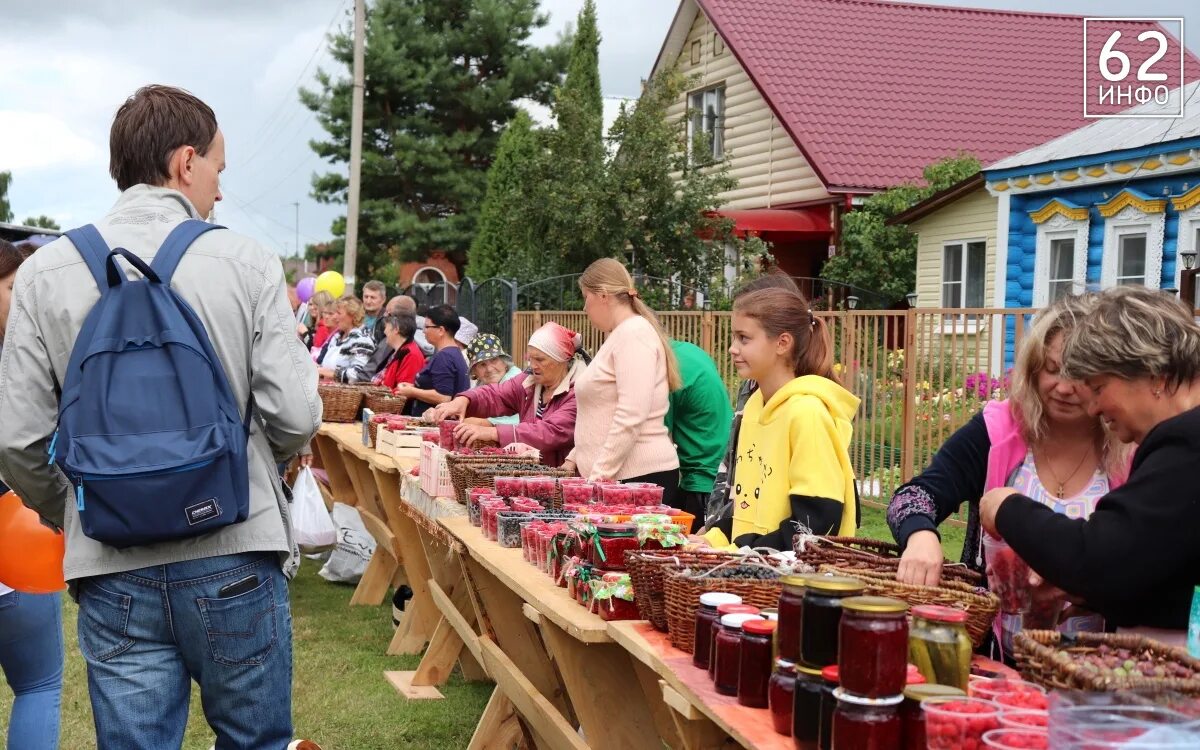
(698, 418)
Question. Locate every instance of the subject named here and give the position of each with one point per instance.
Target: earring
(1157, 392)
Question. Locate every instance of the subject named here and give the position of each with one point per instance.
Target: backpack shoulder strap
(94, 249)
(166, 260)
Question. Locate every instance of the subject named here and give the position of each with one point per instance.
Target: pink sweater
(622, 401)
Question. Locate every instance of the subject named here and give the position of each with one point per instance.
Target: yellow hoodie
(796, 445)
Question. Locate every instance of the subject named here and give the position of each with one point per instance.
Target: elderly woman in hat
(543, 398)
(489, 364)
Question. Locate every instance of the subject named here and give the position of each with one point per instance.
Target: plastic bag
(311, 524)
(349, 558)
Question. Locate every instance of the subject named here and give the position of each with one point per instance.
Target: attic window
(696, 52)
(718, 45)
(706, 124)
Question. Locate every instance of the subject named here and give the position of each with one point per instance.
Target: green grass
(874, 526)
(340, 698)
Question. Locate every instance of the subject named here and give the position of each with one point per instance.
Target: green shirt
(698, 418)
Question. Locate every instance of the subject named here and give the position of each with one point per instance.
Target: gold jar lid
(928, 690)
(880, 605)
(793, 581)
(810, 671)
(834, 584)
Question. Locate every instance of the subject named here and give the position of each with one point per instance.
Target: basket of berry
(1103, 662)
(460, 462)
(648, 571)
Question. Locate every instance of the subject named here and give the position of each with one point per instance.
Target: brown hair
(779, 311)
(11, 258)
(149, 127)
(609, 276)
(354, 306)
(769, 280)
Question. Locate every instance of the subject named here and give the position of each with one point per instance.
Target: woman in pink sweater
(622, 396)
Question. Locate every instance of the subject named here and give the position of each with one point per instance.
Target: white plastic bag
(311, 524)
(349, 558)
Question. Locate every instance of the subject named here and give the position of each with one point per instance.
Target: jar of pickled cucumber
(939, 646)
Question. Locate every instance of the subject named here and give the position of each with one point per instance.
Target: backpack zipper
(53, 448)
(99, 478)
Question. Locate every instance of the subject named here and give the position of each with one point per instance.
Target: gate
(490, 305)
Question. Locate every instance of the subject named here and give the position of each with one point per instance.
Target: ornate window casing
(1059, 221)
(1188, 206)
(1131, 218)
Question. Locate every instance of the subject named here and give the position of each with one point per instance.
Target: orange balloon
(31, 555)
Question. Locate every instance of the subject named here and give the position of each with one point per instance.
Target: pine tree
(504, 244)
(5, 207)
(442, 77)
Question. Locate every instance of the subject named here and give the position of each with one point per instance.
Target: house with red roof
(817, 104)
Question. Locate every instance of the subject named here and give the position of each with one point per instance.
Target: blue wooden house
(1114, 202)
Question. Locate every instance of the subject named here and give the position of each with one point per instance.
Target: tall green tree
(45, 222)
(874, 255)
(578, 207)
(6, 213)
(505, 242)
(442, 79)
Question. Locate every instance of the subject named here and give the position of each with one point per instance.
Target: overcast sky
(65, 66)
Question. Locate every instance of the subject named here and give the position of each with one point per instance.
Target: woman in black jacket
(1135, 559)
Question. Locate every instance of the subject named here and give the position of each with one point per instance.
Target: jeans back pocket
(103, 622)
(241, 629)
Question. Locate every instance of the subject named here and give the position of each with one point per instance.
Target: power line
(247, 209)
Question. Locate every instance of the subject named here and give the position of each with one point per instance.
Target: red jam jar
(754, 665)
(821, 617)
(706, 615)
(728, 647)
(781, 692)
(807, 694)
(612, 540)
(613, 598)
(787, 637)
(866, 723)
(722, 610)
(912, 717)
(873, 646)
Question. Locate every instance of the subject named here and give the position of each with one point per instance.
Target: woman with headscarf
(543, 398)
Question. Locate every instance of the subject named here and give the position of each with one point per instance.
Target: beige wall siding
(770, 170)
(971, 217)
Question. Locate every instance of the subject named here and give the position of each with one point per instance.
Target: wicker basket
(980, 605)
(1051, 659)
(683, 590)
(648, 570)
(481, 476)
(459, 466)
(857, 553)
(340, 402)
(384, 401)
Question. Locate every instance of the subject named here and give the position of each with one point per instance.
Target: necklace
(1062, 482)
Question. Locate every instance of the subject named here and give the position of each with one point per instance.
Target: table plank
(531, 584)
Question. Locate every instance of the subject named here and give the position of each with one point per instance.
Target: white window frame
(1189, 225)
(716, 128)
(1059, 227)
(961, 324)
(1132, 220)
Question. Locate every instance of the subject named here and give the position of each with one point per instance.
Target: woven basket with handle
(648, 571)
(385, 402)
(340, 402)
(1055, 660)
(460, 464)
(858, 553)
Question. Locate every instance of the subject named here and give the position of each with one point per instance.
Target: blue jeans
(146, 633)
(31, 653)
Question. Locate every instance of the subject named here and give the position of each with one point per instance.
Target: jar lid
(810, 671)
(759, 627)
(834, 584)
(715, 599)
(616, 529)
(875, 605)
(858, 700)
(739, 608)
(830, 674)
(793, 581)
(938, 613)
(919, 693)
(736, 619)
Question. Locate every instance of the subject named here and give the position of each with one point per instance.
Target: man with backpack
(150, 382)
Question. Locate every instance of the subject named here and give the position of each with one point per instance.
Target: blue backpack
(149, 432)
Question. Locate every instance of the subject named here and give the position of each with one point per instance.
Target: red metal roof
(872, 92)
(780, 221)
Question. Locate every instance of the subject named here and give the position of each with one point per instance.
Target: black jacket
(1136, 559)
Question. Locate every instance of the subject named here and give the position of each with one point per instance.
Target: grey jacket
(237, 288)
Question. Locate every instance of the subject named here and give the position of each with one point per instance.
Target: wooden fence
(920, 373)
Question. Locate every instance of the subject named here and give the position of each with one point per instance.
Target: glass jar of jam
(791, 599)
(727, 656)
(866, 723)
(610, 543)
(781, 696)
(821, 616)
(873, 646)
(829, 685)
(808, 694)
(706, 615)
(939, 646)
(912, 717)
(754, 666)
(722, 610)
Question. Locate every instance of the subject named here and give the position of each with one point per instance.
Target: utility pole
(299, 254)
(356, 127)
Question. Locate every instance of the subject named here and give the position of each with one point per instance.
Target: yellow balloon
(332, 282)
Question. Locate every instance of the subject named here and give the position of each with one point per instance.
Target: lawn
(340, 698)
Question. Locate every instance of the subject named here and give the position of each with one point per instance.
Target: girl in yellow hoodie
(793, 463)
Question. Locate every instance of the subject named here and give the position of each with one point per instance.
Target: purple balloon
(305, 287)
